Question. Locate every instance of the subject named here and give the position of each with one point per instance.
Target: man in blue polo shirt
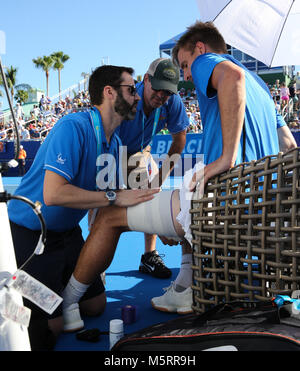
(239, 120)
(160, 107)
(65, 178)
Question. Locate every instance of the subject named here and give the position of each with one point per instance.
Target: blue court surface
(125, 285)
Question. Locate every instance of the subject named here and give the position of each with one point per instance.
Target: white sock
(73, 292)
(185, 275)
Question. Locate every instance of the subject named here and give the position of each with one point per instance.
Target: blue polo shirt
(172, 115)
(70, 150)
(261, 118)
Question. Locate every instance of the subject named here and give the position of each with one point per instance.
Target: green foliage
(21, 96)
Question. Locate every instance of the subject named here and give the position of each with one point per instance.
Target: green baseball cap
(164, 75)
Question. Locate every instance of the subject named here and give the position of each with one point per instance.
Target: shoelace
(157, 259)
(169, 287)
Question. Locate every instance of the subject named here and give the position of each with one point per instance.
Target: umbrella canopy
(268, 30)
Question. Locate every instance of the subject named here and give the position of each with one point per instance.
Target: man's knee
(111, 216)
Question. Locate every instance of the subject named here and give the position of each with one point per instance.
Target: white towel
(184, 217)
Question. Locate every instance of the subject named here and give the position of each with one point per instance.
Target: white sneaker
(173, 301)
(72, 319)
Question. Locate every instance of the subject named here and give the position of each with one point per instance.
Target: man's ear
(200, 47)
(108, 92)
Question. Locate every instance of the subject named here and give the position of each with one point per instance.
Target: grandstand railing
(67, 92)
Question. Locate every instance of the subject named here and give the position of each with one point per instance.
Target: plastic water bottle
(116, 331)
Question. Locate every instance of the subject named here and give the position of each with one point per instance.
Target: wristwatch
(111, 196)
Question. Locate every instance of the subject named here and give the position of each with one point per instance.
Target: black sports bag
(242, 326)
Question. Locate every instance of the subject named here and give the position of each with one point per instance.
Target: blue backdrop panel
(161, 145)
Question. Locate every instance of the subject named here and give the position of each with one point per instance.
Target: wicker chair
(246, 233)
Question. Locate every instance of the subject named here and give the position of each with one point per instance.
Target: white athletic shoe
(173, 301)
(72, 319)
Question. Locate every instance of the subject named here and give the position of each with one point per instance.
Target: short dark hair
(103, 76)
(205, 32)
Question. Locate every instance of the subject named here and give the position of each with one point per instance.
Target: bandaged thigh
(154, 216)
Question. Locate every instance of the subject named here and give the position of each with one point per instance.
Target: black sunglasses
(167, 93)
(132, 89)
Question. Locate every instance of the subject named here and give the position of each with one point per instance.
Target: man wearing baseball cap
(160, 107)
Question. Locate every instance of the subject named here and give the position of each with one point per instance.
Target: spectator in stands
(1, 116)
(277, 104)
(20, 123)
(42, 103)
(294, 126)
(198, 121)
(19, 111)
(57, 109)
(69, 108)
(276, 89)
(32, 117)
(294, 95)
(9, 135)
(277, 84)
(284, 94)
(24, 133)
(22, 160)
(36, 110)
(2, 132)
(182, 93)
(34, 132)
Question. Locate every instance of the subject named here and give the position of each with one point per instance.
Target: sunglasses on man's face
(131, 88)
(167, 93)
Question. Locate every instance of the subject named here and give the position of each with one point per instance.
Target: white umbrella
(268, 30)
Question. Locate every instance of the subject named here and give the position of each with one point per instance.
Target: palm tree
(59, 59)
(21, 96)
(45, 62)
(10, 75)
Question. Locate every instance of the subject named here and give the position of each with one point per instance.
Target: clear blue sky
(127, 31)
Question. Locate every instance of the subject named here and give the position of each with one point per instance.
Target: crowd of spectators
(44, 115)
(287, 102)
(189, 99)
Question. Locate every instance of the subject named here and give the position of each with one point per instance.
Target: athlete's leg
(100, 246)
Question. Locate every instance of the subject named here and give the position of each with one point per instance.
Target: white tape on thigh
(154, 216)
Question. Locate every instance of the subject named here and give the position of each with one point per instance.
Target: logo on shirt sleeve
(60, 159)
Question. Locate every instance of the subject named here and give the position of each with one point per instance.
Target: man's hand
(217, 167)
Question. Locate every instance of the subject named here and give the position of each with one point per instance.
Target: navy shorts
(55, 266)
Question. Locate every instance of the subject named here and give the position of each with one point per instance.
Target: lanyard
(156, 119)
(97, 129)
